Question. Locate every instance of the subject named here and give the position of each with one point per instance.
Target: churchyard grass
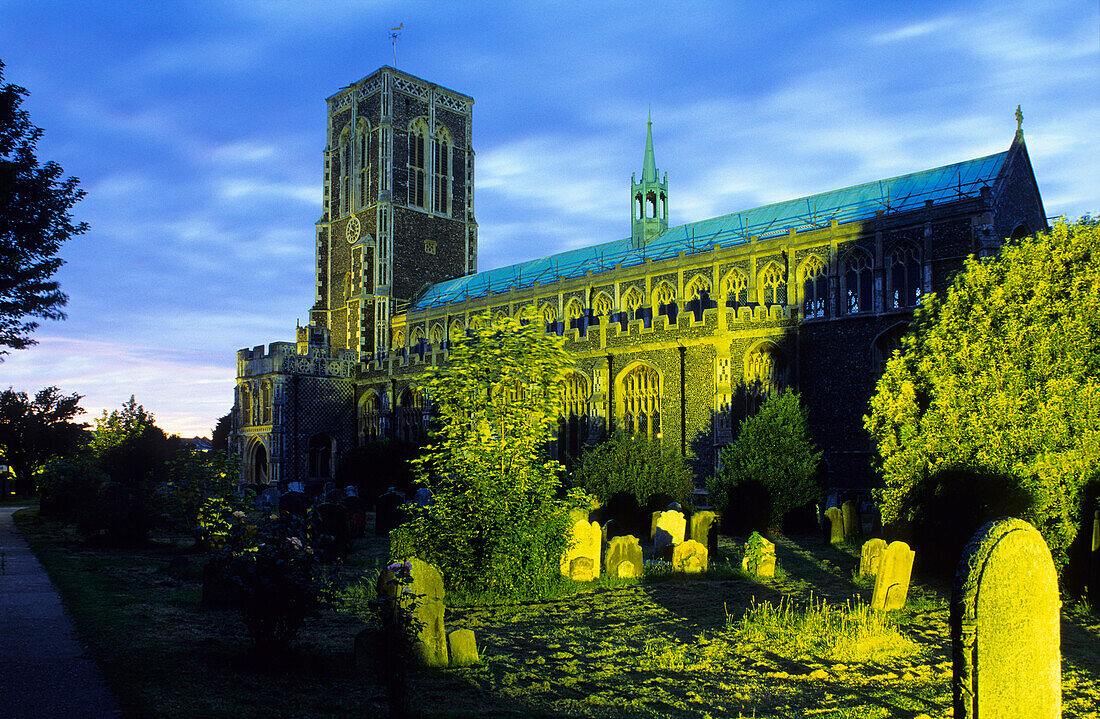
(665, 646)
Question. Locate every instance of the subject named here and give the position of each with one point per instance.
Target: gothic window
(370, 416)
(639, 213)
(265, 402)
(246, 406)
(345, 171)
(736, 289)
(411, 420)
(765, 374)
(886, 344)
(476, 322)
(435, 336)
(651, 204)
(855, 276)
(699, 285)
(418, 141)
(632, 300)
(641, 393)
(363, 156)
(320, 456)
(347, 286)
(549, 314)
(458, 331)
(443, 147)
(815, 286)
(602, 305)
(416, 339)
(904, 277)
(398, 340)
(773, 285)
(574, 310)
(573, 422)
(664, 295)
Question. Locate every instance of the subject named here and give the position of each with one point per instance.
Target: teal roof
(897, 194)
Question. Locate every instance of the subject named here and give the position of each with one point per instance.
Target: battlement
(311, 355)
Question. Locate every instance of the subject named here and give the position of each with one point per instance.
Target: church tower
(398, 210)
(649, 198)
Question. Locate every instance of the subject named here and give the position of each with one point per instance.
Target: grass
(665, 646)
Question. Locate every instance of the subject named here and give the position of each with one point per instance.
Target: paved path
(44, 671)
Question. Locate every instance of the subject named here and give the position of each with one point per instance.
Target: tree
(995, 395)
(772, 460)
(34, 222)
(496, 525)
(33, 432)
(637, 466)
(219, 436)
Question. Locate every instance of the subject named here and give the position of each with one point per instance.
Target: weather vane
(395, 32)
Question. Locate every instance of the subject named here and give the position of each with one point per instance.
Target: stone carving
(870, 557)
(463, 647)
(581, 562)
(892, 580)
(668, 533)
(624, 557)
(427, 586)
(1005, 626)
(689, 557)
(759, 558)
(836, 525)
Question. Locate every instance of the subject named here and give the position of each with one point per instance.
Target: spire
(649, 165)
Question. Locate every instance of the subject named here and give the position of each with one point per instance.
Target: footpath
(45, 673)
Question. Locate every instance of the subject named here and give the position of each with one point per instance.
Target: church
(678, 332)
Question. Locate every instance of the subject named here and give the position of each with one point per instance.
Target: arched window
(699, 285)
(886, 344)
(765, 374)
(602, 305)
(574, 309)
(573, 421)
(345, 170)
(1021, 231)
(639, 212)
(664, 295)
(855, 276)
(773, 285)
(348, 290)
(904, 277)
(256, 466)
(411, 420)
(443, 147)
(641, 402)
(632, 300)
(435, 336)
(458, 330)
(266, 402)
(736, 289)
(815, 286)
(370, 416)
(363, 158)
(418, 147)
(398, 340)
(246, 406)
(320, 456)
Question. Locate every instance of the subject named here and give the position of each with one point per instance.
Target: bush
(69, 487)
(772, 461)
(193, 479)
(635, 466)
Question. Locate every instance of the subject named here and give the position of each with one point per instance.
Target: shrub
(772, 460)
(637, 466)
(68, 488)
(193, 479)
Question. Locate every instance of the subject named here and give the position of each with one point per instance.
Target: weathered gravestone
(268, 500)
(704, 530)
(581, 562)
(689, 557)
(668, 533)
(870, 557)
(853, 523)
(836, 525)
(892, 580)
(624, 557)
(463, 646)
(759, 558)
(1005, 626)
(427, 588)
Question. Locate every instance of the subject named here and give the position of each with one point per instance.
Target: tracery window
(370, 415)
(363, 137)
(574, 309)
(602, 305)
(246, 406)
(435, 336)
(458, 331)
(573, 421)
(904, 277)
(886, 344)
(398, 340)
(549, 314)
(815, 287)
(418, 141)
(856, 279)
(773, 285)
(641, 402)
(412, 421)
(265, 402)
(664, 294)
(765, 374)
(632, 300)
(699, 285)
(736, 289)
(443, 146)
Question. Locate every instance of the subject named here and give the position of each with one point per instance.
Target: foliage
(774, 454)
(278, 581)
(33, 432)
(68, 488)
(34, 222)
(376, 466)
(851, 633)
(220, 524)
(193, 479)
(496, 525)
(219, 436)
(637, 466)
(1001, 379)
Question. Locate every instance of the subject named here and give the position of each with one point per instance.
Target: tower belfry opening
(649, 197)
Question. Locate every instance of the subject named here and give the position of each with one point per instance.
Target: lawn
(669, 646)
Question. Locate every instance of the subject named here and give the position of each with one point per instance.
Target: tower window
(814, 288)
(442, 176)
(417, 141)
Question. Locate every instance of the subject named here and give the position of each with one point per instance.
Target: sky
(197, 131)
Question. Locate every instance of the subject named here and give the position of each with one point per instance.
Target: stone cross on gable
(1019, 119)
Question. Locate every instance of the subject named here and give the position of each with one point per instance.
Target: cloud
(261, 191)
(243, 152)
(913, 30)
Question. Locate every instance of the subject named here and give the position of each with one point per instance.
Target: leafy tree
(636, 466)
(34, 221)
(219, 436)
(193, 479)
(496, 525)
(33, 432)
(773, 460)
(1000, 380)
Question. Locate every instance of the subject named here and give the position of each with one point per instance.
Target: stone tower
(649, 198)
(398, 204)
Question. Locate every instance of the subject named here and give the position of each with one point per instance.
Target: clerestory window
(815, 286)
(856, 279)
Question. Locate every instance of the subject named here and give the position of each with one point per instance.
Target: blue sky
(196, 129)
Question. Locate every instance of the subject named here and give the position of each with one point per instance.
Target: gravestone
(294, 504)
(387, 514)
(427, 586)
(668, 533)
(329, 531)
(689, 557)
(759, 557)
(853, 523)
(268, 501)
(1005, 626)
(892, 580)
(624, 557)
(463, 646)
(836, 525)
(704, 530)
(357, 511)
(581, 561)
(870, 557)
